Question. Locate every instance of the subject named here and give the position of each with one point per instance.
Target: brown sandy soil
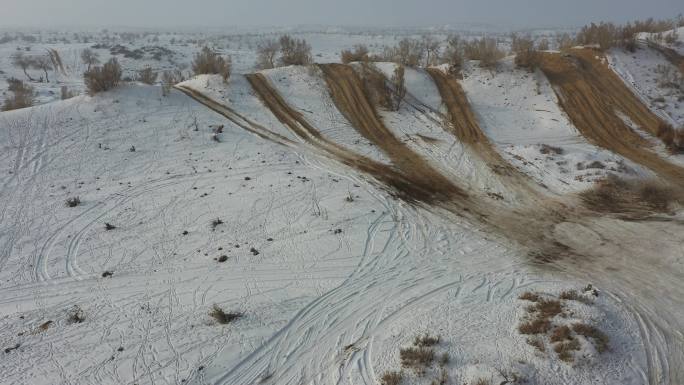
(591, 94)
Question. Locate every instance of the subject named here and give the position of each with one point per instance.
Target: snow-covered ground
(332, 276)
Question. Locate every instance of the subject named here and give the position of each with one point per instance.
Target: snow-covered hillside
(220, 237)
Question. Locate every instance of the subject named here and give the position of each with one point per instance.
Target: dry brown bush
(560, 334)
(537, 343)
(294, 51)
(535, 326)
(546, 308)
(565, 349)
(147, 76)
(103, 78)
(358, 54)
(23, 95)
(485, 50)
(391, 378)
(208, 61)
(600, 339)
(569, 295)
(615, 195)
(529, 296)
(416, 358)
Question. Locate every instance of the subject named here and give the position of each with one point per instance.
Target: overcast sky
(218, 13)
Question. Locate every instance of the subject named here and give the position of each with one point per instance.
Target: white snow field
(330, 275)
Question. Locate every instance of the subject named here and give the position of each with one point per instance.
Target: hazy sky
(216, 13)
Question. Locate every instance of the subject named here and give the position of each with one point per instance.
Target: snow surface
(330, 287)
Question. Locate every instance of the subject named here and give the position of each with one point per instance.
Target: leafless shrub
(358, 54)
(89, 58)
(482, 381)
(408, 52)
(23, 62)
(391, 378)
(564, 41)
(267, 50)
(73, 202)
(170, 79)
(453, 54)
(42, 63)
(600, 339)
(294, 51)
(23, 95)
(485, 50)
(546, 149)
(669, 77)
(398, 87)
(431, 48)
(103, 78)
(147, 76)
(526, 56)
(222, 317)
(208, 61)
(375, 86)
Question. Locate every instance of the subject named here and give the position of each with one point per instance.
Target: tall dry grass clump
(358, 54)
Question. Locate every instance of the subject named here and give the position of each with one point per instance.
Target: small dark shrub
(215, 223)
(76, 315)
(73, 202)
(107, 274)
(426, 340)
(546, 149)
(222, 317)
(222, 258)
